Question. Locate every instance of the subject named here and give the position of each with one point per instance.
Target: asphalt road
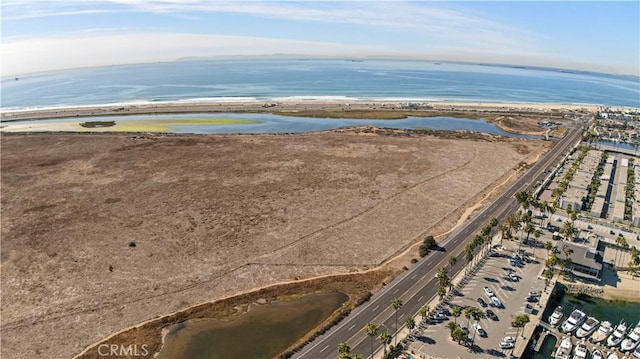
(418, 285)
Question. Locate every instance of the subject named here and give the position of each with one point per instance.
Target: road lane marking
(396, 291)
(325, 348)
(419, 299)
(376, 308)
(351, 327)
(414, 276)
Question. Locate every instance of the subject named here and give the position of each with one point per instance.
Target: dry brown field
(104, 231)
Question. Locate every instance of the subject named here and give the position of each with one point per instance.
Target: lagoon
(245, 123)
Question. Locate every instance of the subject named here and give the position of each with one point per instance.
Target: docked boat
(632, 340)
(556, 316)
(574, 321)
(581, 351)
(588, 327)
(617, 336)
(564, 349)
(636, 353)
(606, 328)
(596, 354)
(612, 355)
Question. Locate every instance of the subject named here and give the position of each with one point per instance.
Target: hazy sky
(44, 35)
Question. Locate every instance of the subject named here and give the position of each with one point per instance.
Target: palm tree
(397, 304)
(468, 255)
(468, 313)
(537, 233)
(566, 263)
(385, 339)
(451, 326)
(477, 314)
(344, 350)
(372, 332)
(410, 323)
(456, 311)
(520, 321)
(452, 262)
(528, 229)
(568, 231)
(548, 246)
(424, 311)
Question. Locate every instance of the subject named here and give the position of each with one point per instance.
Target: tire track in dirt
(376, 205)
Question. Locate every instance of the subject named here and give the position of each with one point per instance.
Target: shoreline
(287, 107)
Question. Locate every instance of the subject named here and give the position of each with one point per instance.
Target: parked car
(488, 292)
(440, 317)
(512, 262)
(493, 254)
(482, 303)
(532, 299)
(509, 340)
(496, 302)
(491, 315)
(513, 277)
(507, 345)
(481, 332)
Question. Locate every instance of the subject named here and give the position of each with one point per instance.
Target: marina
(582, 334)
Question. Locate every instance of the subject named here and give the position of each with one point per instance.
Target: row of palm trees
(373, 331)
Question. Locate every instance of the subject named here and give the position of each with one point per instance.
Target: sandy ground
(212, 216)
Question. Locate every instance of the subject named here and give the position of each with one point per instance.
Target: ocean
(311, 79)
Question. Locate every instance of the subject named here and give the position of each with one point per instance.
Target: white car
(489, 292)
(513, 277)
(496, 302)
(508, 340)
(507, 345)
(481, 332)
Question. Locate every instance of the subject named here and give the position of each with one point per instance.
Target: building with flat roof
(586, 259)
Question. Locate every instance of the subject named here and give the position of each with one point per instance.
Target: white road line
(419, 299)
(414, 276)
(396, 291)
(325, 348)
(376, 308)
(351, 327)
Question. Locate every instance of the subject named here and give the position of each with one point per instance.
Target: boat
(636, 353)
(606, 328)
(581, 351)
(618, 335)
(596, 354)
(564, 349)
(556, 316)
(612, 355)
(575, 320)
(588, 327)
(632, 339)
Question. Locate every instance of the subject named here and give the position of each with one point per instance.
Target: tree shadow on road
(495, 353)
(425, 339)
(475, 348)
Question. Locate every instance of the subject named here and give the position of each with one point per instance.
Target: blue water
(315, 79)
(269, 123)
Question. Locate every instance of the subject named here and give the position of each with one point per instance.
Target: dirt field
(104, 231)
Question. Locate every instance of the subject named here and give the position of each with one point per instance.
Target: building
(586, 259)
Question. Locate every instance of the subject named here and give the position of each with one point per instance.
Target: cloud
(430, 21)
(97, 49)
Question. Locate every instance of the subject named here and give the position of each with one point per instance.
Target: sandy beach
(433, 108)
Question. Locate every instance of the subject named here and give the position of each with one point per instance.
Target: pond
(264, 331)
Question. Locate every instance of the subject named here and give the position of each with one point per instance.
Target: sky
(42, 35)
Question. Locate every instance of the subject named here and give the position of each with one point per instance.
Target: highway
(418, 285)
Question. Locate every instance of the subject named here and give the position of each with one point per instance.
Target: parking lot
(434, 340)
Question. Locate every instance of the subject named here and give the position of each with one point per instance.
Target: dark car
(491, 315)
(482, 303)
(532, 299)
